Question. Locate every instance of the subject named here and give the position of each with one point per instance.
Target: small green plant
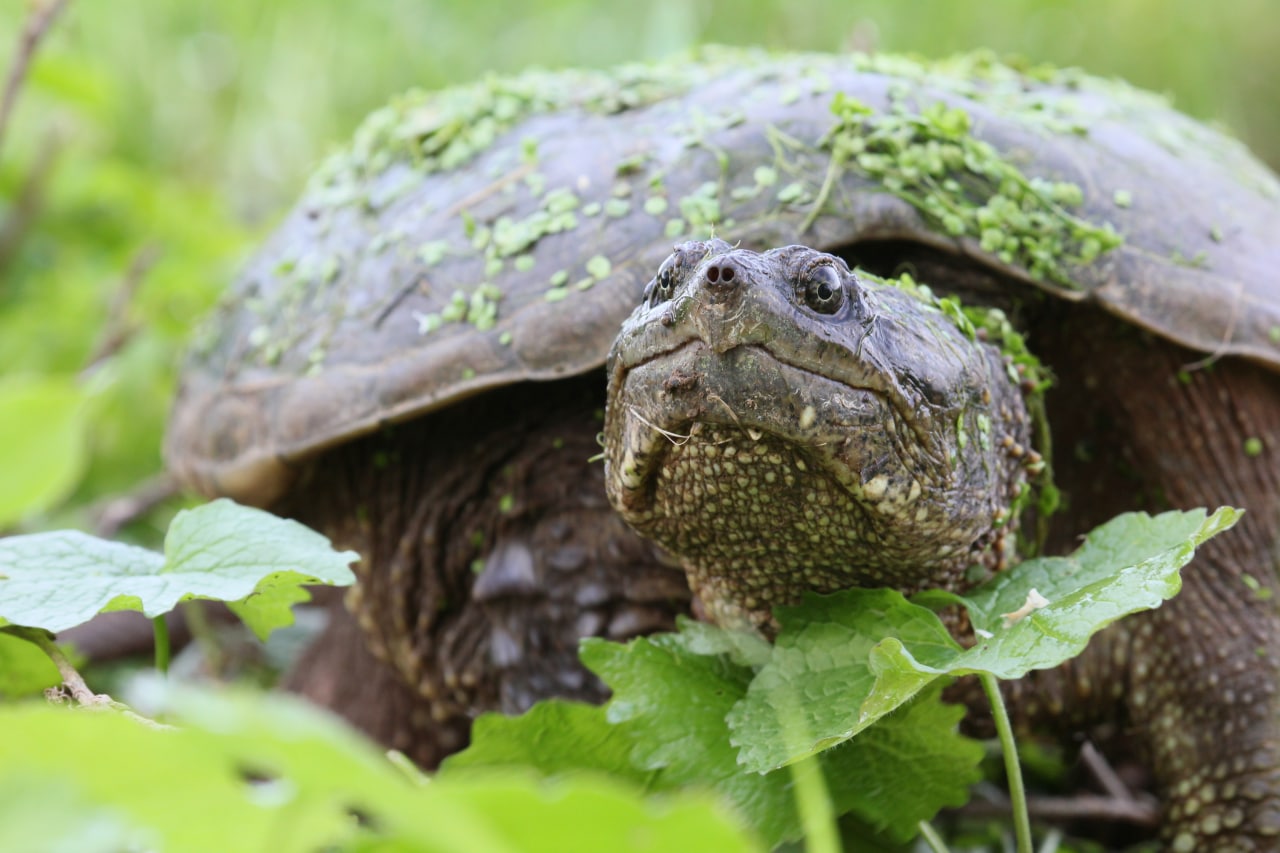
(713, 739)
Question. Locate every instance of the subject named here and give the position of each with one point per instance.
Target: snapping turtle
(413, 365)
(780, 425)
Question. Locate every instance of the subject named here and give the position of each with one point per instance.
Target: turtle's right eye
(663, 286)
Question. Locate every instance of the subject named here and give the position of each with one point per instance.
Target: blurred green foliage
(156, 140)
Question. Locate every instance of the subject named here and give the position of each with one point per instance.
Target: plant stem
(72, 681)
(834, 170)
(1017, 793)
(71, 678)
(931, 837)
(814, 804)
(162, 643)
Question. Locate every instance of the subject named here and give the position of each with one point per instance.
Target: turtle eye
(663, 286)
(823, 289)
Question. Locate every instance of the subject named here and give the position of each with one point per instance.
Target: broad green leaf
(42, 446)
(270, 606)
(1129, 564)
(848, 659)
(47, 815)
(807, 697)
(246, 772)
(24, 669)
(744, 648)
(901, 771)
(586, 814)
(187, 787)
(220, 550)
(664, 728)
(672, 693)
(674, 703)
(554, 736)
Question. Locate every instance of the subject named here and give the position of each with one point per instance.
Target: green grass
(247, 95)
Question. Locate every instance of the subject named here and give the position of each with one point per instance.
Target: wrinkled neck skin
(780, 426)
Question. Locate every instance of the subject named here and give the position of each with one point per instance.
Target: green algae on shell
(962, 184)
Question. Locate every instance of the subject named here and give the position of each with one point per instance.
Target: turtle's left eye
(823, 290)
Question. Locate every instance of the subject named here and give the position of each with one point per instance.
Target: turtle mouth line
(697, 343)
(625, 368)
(691, 402)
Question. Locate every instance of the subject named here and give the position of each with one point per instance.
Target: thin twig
(117, 329)
(1102, 771)
(71, 679)
(112, 514)
(490, 190)
(1237, 303)
(29, 198)
(38, 22)
(1137, 812)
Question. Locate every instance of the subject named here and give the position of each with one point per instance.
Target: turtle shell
(502, 231)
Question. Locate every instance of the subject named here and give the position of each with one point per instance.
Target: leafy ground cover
(712, 740)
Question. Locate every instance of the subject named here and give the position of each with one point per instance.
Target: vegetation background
(155, 141)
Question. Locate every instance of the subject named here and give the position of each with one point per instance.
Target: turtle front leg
(1193, 688)
(1194, 683)
(1202, 696)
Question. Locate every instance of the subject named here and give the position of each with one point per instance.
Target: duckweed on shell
(931, 160)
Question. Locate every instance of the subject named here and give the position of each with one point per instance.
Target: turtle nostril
(722, 276)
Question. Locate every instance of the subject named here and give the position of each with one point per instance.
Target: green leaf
(270, 772)
(848, 659)
(589, 814)
(1129, 564)
(664, 728)
(46, 815)
(674, 703)
(873, 777)
(188, 787)
(24, 669)
(220, 550)
(42, 447)
(552, 737)
(668, 733)
(270, 606)
(807, 697)
(672, 694)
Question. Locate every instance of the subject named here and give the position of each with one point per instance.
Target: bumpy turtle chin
(767, 472)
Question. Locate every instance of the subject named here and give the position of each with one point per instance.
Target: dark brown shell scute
(396, 288)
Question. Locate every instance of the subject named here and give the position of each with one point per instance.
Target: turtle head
(781, 424)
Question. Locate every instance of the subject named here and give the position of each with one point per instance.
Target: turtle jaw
(683, 397)
(766, 480)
